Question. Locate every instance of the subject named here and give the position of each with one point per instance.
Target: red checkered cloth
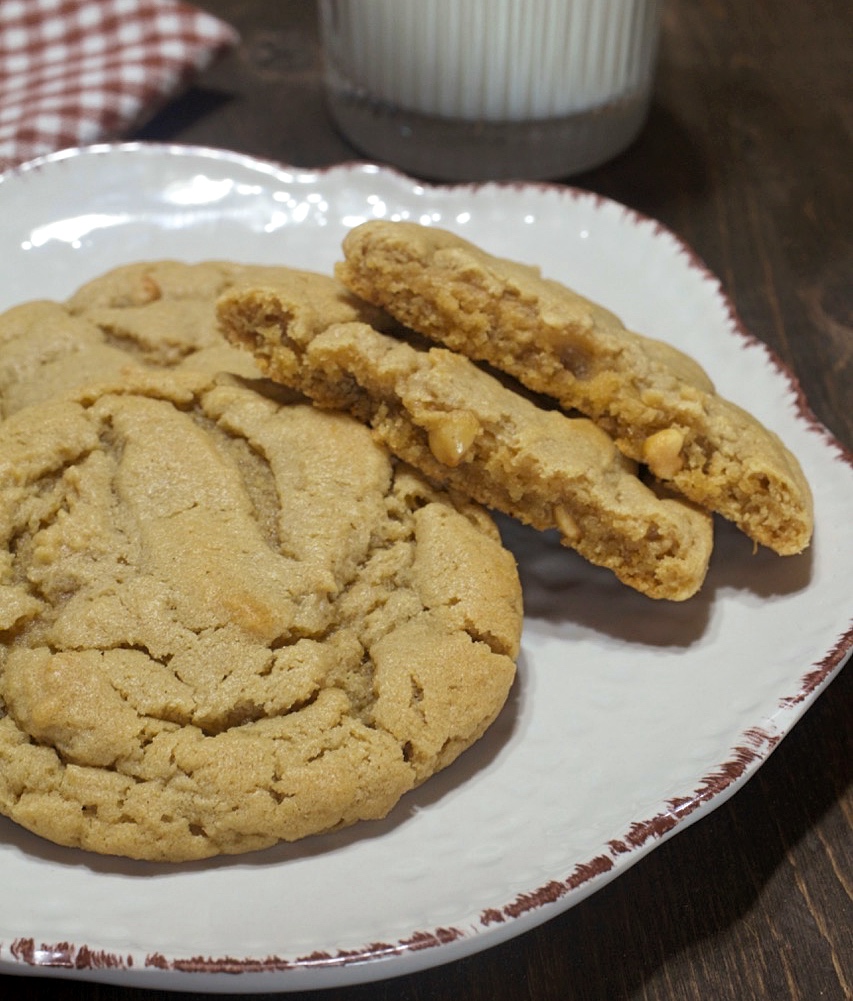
(80, 71)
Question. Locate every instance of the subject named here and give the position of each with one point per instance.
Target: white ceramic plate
(630, 718)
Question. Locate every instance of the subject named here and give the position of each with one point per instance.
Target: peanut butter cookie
(657, 403)
(227, 621)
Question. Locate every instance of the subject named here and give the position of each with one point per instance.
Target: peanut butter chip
(149, 290)
(662, 453)
(452, 436)
(566, 524)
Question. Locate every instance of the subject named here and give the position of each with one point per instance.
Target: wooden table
(747, 156)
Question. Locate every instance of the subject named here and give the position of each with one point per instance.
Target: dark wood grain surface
(747, 156)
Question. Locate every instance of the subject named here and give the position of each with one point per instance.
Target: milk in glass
(468, 89)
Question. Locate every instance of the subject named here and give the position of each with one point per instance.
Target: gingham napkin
(81, 71)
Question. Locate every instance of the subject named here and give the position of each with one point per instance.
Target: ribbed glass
(490, 63)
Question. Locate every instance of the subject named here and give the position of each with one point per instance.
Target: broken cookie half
(656, 402)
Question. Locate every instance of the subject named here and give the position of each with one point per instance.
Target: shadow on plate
(561, 588)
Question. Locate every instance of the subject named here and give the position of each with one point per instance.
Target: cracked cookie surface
(227, 622)
(656, 402)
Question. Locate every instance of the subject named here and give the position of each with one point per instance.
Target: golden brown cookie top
(229, 621)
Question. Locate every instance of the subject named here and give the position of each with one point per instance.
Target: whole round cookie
(227, 621)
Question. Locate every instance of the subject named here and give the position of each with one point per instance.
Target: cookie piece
(656, 402)
(464, 429)
(152, 314)
(227, 622)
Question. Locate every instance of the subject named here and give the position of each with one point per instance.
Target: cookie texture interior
(228, 621)
(465, 429)
(656, 402)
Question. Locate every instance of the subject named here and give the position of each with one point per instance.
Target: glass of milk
(489, 89)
